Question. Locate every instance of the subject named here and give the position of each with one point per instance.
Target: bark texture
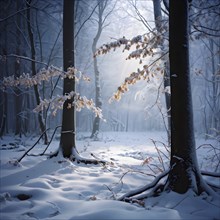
(184, 172)
(67, 141)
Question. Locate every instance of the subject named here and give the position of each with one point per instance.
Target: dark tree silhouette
(33, 68)
(184, 173)
(166, 78)
(67, 141)
(68, 131)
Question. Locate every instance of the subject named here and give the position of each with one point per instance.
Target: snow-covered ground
(39, 188)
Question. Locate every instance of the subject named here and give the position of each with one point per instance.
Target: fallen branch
(144, 188)
(76, 157)
(152, 193)
(207, 173)
(213, 186)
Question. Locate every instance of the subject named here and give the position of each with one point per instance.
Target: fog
(142, 108)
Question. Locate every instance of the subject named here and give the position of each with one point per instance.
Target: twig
(59, 126)
(158, 168)
(160, 158)
(151, 169)
(132, 171)
(24, 58)
(113, 193)
(19, 160)
(159, 152)
(86, 20)
(43, 153)
(166, 147)
(206, 145)
(11, 15)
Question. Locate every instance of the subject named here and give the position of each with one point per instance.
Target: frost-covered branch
(144, 188)
(57, 102)
(44, 74)
(79, 102)
(147, 45)
(146, 73)
(144, 45)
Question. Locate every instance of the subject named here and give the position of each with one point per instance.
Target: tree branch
(19, 160)
(144, 188)
(86, 20)
(23, 58)
(6, 18)
(206, 173)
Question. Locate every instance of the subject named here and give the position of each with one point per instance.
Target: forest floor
(41, 188)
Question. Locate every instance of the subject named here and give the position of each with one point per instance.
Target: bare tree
(16, 52)
(184, 173)
(18, 96)
(68, 131)
(4, 71)
(98, 102)
(166, 78)
(102, 16)
(33, 68)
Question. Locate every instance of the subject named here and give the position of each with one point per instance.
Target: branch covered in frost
(28, 81)
(82, 102)
(145, 45)
(144, 188)
(79, 102)
(146, 73)
(57, 102)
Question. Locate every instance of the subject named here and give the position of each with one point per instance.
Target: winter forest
(109, 109)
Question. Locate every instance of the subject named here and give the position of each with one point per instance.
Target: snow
(59, 189)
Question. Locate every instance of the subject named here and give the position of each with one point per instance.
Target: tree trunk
(33, 68)
(158, 23)
(215, 118)
(67, 141)
(4, 113)
(68, 131)
(184, 172)
(18, 95)
(3, 94)
(167, 99)
(98, 101)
